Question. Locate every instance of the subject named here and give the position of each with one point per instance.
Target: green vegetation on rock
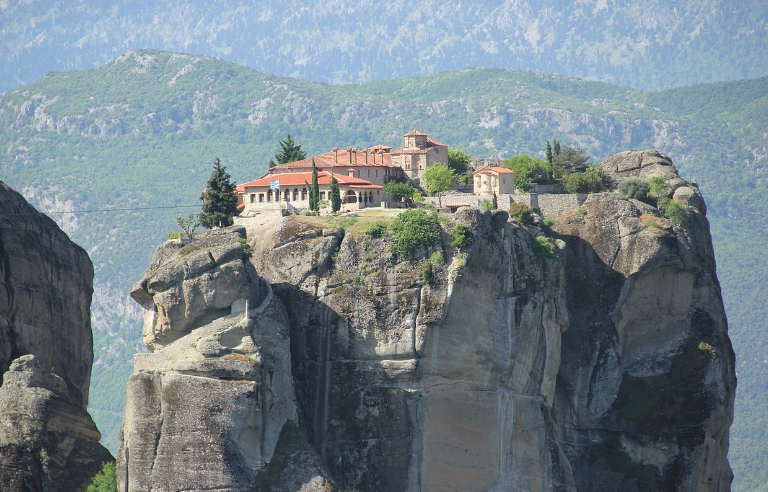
(414, 229)
(105, 480)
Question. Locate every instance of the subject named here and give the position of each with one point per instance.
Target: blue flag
(274, 184)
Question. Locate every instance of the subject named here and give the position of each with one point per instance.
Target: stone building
(288, 190)
(418, 153)
(494, 179)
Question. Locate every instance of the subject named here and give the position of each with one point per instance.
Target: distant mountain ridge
(654, 44)
(142, 132)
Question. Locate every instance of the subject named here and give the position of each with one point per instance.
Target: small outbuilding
(494, 179)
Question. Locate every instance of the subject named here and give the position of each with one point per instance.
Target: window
(261, 197)
(322, 195)
(369, 173)
(253, 197)
(377, 173)
(295, 194)
(269, 196)
(303, 193)
(277, 195)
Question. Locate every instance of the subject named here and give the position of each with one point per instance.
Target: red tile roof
(415, 133)
(299, 179)
(432, 141)
(500, 170)
(342, 158)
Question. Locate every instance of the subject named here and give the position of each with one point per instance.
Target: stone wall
(550, 205)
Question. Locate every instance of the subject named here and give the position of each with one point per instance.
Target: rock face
(602, 364)
(646, 382)
(205, 410)
(48, 442)
(447, 383)
(46, 283)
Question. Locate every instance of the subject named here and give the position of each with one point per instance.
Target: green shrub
(247, 249)
(548, 222)
(174, 235)
(461, 236)
(582, 212)
(105, 480)
(377, 229)
(427, 275)
(543, 247)
(523, 184)
(590, 181)
(522, 213)
(637, 188)
(673, 211)
(414, 229)
(427, 269)
(658, 187)
(486, 203)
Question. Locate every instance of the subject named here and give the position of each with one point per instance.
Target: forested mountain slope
(653, 44)
(139, 135)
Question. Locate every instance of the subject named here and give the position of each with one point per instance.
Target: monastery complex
(361, 174)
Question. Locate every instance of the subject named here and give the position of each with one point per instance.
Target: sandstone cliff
(48, 442)
(603, 366)
(206, 408)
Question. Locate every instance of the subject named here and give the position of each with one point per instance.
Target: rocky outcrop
(206, 408)
(48, 442)
(646, 382)
(46, 283)
(449, 383)
(593, 359)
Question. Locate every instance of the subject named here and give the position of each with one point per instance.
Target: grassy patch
(355, 225)
(242, 358)
(653, 224)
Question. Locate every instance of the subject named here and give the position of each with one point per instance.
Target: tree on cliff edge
(219, 199)
(289, 152)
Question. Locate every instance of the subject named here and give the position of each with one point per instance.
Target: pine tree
(314, 191)
(335, 195)
(289, 151)
(219, 199)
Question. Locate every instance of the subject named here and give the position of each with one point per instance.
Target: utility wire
(99, 210)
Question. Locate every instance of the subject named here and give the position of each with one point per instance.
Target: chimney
(335, 155)
(365, 151)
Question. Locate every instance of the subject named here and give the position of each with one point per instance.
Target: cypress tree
(335, 195)
(557, 148)
(549, 153)
(314, 194)
(219, 199)
(495, 201)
